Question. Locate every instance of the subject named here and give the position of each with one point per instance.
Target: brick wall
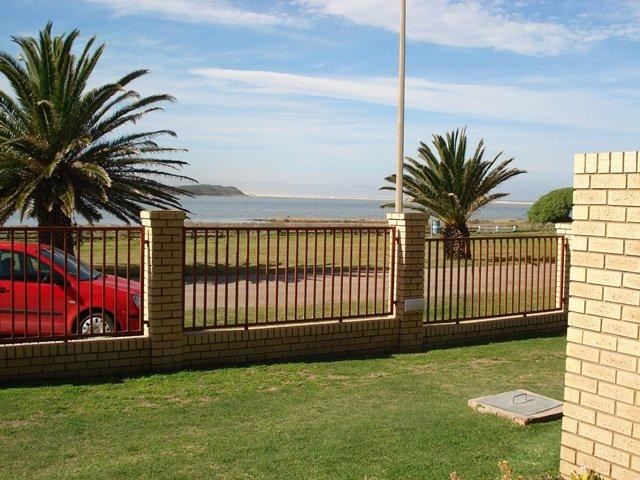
(601, 426)
(87, 358)
(167, 346)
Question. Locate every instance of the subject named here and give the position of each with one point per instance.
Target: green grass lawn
(397, 417)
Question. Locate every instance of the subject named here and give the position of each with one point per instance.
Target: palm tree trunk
(456, 241)
(50, 232)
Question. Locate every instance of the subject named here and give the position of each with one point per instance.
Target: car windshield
(74, 267)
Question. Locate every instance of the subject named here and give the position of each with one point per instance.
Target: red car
(40, 297)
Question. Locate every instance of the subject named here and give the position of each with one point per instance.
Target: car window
(11, 261)
(44, 270)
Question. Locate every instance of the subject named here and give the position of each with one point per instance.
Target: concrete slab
(521, 406)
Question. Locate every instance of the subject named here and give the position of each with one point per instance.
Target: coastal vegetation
(553, 207)
(445, 183)
(68, 150)
(213, 190)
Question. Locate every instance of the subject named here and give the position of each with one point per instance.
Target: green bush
(553, 207)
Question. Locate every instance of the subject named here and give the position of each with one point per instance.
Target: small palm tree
(60, 153)
(452, 187)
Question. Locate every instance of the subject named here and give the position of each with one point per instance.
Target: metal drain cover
(521, 406)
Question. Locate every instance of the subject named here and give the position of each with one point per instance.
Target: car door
(12, 294)
(47, 297)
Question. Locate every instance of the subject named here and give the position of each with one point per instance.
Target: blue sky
(297, 97)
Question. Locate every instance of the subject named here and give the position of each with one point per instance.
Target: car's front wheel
(95, 323)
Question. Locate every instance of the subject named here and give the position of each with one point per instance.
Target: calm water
(242, 209)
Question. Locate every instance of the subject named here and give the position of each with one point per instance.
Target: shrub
(553, 207)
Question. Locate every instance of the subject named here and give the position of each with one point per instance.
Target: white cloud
(464, 23)
(197, 11)
(576, 108)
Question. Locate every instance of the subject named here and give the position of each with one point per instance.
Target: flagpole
(401, 101)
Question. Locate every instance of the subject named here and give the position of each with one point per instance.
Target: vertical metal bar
(205, 303)
(342, 234)
(258, 233)
(493, 277)
(359, 269)
(563, 272)
(78, 244)
(367, 272)
(458, 286)
(39, 284)
(436, 270)
(315, 264)
(526, 272)
(324, 272)
(519, 274)
(90, 281)
(194, 278)
(215, 283)
(544, 272)
(450, 302)
(127, 312)
(351, 270)
(115, 274)
(333, 270)
(533, 274)
(226, 275)
(429, 244)
(12, 283)
(142, 280)
(64, 288)
(513, 275)
(479, 258)
(295, 276)
(267, 276)
(237, 297)
(375, 273)
(486, 280)
(246, 281)
(468, 251)
(306, 268)
(392, 281)
(286, 279)
(500, 269)
(538, 268)
(277, 271)
(444, 279)
(384, 272)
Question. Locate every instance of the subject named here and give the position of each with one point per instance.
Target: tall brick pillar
(163, 286)
(601, 425)
(409, 282)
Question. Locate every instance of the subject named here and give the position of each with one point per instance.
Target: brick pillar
(562, 279)
(163, 286)
(409, 282)
(601, 425)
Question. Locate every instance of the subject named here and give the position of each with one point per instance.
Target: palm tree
(61, 155)
(444, 183)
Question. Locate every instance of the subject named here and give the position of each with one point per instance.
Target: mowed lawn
(397, 417)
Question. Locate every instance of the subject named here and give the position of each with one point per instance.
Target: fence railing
(256, 276)
(67, 282)
(493, 277)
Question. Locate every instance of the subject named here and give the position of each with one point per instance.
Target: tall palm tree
(447, 184)
(60, 151)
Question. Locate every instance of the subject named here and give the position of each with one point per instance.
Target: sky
(298, 97)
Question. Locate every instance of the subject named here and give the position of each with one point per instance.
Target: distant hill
(213, 190)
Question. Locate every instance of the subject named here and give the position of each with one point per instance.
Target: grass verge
(397, 417)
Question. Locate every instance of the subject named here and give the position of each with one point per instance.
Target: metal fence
(494, 277)
(257, 276)
(67, 282)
